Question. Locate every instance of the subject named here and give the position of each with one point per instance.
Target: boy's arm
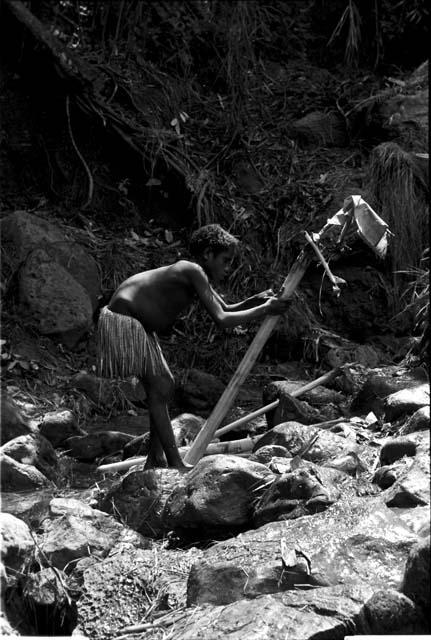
(215, 308)
(248, 303)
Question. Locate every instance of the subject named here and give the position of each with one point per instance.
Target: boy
(150, 302)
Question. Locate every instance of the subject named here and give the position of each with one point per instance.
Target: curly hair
(212, 237)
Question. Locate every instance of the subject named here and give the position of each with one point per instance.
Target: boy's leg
(159, 390)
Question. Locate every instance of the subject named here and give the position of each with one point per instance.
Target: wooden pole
(307, 387)
(207, 432)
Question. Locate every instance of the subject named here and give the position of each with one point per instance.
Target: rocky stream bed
(319, 530)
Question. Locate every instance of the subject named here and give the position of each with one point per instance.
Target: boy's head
(213, 248)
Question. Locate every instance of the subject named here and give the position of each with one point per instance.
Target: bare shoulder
(191, 269)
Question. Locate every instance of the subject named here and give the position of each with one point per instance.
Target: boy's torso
(157, 297)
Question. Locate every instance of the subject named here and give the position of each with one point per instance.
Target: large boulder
(388, 612)
(17, 476)
(17, 543)
(416, 579)
(139, 497)
(218, 492)
(57, 304)
(35, 450)
(314, 406)
(13, 423)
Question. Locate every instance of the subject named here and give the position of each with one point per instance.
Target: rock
(218, 492)
(422, 457)
(16, 476)
(396, 448)
(58, 305)
(388, 611)
(186, 427)
(416, 579)
(419, 420)
(296, 437)
(17, 543)
(67, 537)
(34, 450)
(406, 401)
(200, 391)
(139, 497)
(137, 447)
(314, 406)
(265, 454)
(416, 518)
(385, 476)
(95, 445)
(30, 506)
(46, 601)
(59, 425)
(103, 391)
(13, 423)
(380, 383)
(410, 489)
(304, 490)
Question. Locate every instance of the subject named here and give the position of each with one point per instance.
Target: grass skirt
(125, 349)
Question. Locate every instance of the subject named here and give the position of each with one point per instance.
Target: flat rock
(97, 444)
(36, 450)
(17, 476)
(218, 492)
(17, 543)
(406, 401)
(139, 497)
(30, 506)
(59, 425)
(265, 454)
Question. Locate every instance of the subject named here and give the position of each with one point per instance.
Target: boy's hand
(276, 306)
(263, 296)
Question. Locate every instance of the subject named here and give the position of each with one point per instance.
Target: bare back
(157, 297)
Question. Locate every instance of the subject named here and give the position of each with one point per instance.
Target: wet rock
(411, 489)
(57, 303)
(57, 426)
(388, 612)
(265, 454)
(406, 401)
(16, 476)
(95, 445)
(30, 506)
(296, 438)
(416, 579)
(422, 457)
(218, 492)
(304, 490)
(385, 476)
(349, 463)
(416, 518)
(47, 604)
(186, 427)
(13, 423)
(17, 543)
(137, 447)
(396, 448)
(383, 381)
(88, 532)
(34, 450)
(139, 497)
(419, 420)
(200, 391)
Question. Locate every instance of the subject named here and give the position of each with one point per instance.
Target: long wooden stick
(298, 392)
(207, 432)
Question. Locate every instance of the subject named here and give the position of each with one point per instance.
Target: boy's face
(217, 265)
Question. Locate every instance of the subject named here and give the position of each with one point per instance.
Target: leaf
(169, 237)
(288, 554)
(135, 236)
(153, 182)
